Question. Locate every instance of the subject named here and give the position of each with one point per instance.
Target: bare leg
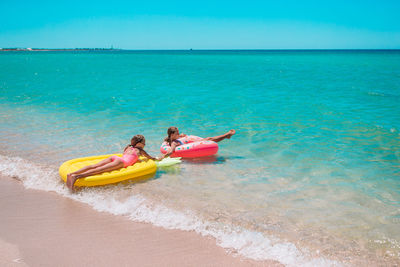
(98, 164)
(221, 137)
(115, 165)
(86, 168)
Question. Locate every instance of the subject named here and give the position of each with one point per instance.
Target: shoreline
(57, 49)
(45, 229)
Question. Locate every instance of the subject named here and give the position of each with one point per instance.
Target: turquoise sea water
(311, 177)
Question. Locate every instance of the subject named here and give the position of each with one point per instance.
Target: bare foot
(71, 181)
(68, 182)
(219, 138)
(230, 133)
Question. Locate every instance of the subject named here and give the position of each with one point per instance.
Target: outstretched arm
(169, 152)
(144, 153)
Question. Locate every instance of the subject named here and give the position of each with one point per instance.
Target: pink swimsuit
(127, 159)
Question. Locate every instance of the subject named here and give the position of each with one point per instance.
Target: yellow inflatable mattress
(138, 171)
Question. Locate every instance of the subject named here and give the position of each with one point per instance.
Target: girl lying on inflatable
(130, 156)
(190, 146)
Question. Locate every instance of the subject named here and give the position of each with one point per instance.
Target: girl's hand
(182, 135)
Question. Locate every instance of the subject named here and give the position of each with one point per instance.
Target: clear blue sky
(201, 25)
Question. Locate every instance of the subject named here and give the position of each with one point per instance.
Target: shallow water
(310, 178)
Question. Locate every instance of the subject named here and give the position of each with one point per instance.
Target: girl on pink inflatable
(190, 146)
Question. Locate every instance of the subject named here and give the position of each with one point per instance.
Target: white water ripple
(250, 244)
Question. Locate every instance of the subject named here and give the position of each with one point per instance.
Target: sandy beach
(43, 229)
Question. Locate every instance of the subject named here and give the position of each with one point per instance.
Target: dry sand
(44, 229)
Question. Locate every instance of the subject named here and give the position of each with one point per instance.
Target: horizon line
(194, 49)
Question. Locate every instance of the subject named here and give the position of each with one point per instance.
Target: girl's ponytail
(171, 131)
(136, 140)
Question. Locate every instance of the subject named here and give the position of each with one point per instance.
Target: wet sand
(44, 229)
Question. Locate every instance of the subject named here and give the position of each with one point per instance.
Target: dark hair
(136, 140)
(171, 131)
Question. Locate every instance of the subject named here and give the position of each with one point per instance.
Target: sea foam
(236, 240)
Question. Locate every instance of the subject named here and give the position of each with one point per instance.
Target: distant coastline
(57, 49)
